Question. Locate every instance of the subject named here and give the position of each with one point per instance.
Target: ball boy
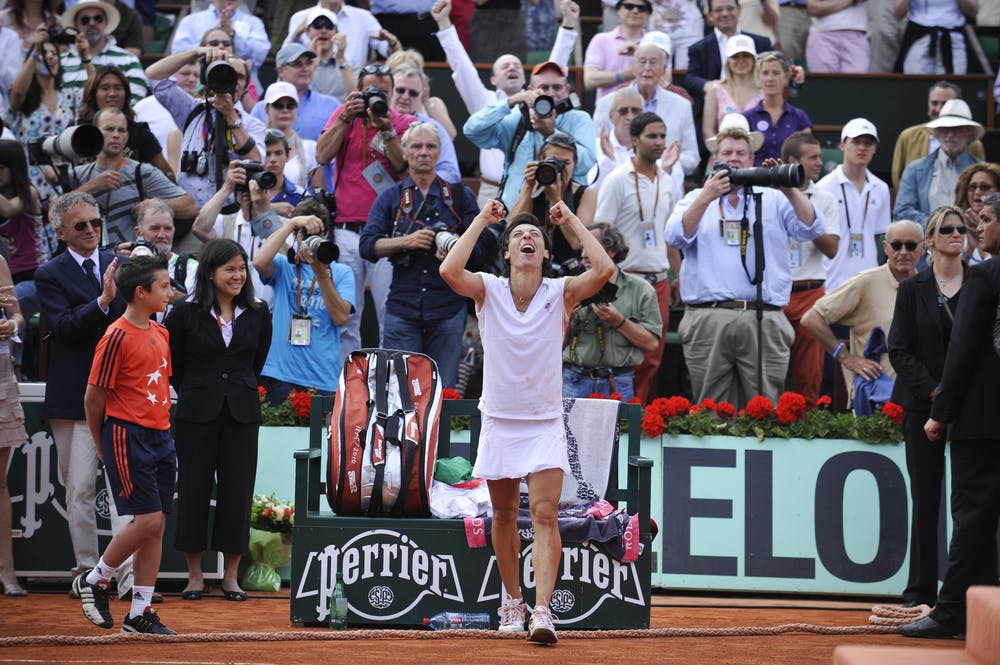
(128, 412)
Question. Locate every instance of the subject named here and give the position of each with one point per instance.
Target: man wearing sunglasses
(296, 65)
(250, 35)
(608, 62)
(359, 26)
(867, 301)
(79, 300)
(334, 75)
(369, 154)
(407, 86)
(929, 183)
(94, 21)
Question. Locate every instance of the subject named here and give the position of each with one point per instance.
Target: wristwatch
(387, 134)
(235, 125)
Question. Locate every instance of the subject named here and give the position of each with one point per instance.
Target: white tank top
(522, 365)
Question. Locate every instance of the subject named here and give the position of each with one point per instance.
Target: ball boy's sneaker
(94, 598)
(147, 622)
(540, 628)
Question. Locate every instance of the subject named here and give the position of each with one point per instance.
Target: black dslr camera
(255, 171)
(607, 294)
(545, 106)
(568, 268)
(444, 239)
(328, 200)
(218, 77)
(548, 171)
(784, 175)
(376, 101)
(62, 36)
(194, 162)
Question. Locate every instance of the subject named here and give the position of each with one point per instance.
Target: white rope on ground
(897, 615)
(368, 634)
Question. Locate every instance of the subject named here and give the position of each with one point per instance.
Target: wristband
(618, 77)
(246, 147)
(836, 352)
(86, 62)
(621, 323)
(387, 135)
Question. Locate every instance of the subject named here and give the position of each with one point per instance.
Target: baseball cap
(290, 53)
(740, 44)
(276, 91)
(548, 64)
(858, 127)
(316, 12)
(659, 39)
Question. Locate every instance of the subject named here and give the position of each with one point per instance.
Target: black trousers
(975, 513)
(224, 451)
(925, 465)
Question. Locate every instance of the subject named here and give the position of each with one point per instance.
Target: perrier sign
(398, 572)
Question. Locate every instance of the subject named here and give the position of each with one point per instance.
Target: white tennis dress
(521, 403)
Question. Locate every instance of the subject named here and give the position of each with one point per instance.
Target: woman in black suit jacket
(918, 342)
(218, 344)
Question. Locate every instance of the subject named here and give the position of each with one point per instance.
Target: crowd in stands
(349, 144)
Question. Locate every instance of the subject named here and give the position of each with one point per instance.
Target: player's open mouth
(527, 249)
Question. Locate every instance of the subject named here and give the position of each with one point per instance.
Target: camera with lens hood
(783, 175)
(548, 171)
(218, 77)
(376, 101)
(546, 105)
(72, 144)
(255, 171)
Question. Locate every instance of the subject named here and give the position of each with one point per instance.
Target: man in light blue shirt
(719, 329)
(296, 65)
(250, 39)
(496, 127)
(408, 84)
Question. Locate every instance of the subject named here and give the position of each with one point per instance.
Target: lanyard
(847, 212)
(298, 290)
(638, 198)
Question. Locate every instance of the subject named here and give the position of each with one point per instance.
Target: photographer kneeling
(415, 222)
(548, 181)
(612, 330)
(313, 298)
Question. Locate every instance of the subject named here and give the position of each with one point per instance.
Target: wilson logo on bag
(383, 434)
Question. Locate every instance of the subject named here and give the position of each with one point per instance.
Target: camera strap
(744, 237)
(300, 309)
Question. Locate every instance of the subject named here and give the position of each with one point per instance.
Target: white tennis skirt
(513, 448)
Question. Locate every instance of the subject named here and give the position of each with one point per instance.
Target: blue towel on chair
(871, 394)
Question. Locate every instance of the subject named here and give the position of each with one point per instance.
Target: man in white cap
(607, 64)
(712, 226)
(334, 74)
(94, 21)
(651, 64)
(296, 65)
(915, 142)
(359, 26)
(863, 203)
(929, 183)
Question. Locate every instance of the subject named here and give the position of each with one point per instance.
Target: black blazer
(206, 373)
(916, 341)
(69, 303)
(967, 394)
(705, 63)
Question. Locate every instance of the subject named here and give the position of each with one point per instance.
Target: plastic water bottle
(458, 621)
(338, 605)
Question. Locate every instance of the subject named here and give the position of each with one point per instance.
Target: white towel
(591, 431)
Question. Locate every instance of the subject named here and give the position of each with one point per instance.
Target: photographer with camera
(548, 181)
(364, 136)
(610, 332)
(93, 47)
(414, 223)
(313, 298)
(723, 274)
(215, 130)
(285, 194)
(519, 125)
(119, 183)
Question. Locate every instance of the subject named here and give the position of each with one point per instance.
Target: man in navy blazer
(78, 298)
(705, 55)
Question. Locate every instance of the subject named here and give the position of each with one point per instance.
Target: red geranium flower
(450, 393)
(824, 401)
(597, 396)
(677, 406)
(301, 402)
(894, 412)
(791, 407)
(652, 425)
(759, 407)
(659, 406)
(694, 410)
(633, 400)
(725, 410)
(708, 403)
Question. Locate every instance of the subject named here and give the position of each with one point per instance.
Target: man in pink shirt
(608, 62)
(364, 136)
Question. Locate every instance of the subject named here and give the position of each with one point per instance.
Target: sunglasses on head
(219, 42)
(81, 226)
(323, 24)
(96, 19)
(284, 106)
(948, 230)
(375, 70)
(407, 91)
(276, 133)
(910, 245)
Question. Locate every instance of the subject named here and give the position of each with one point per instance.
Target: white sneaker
(540, 627)
(511, 615)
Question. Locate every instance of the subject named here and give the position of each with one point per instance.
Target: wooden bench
(399, 570)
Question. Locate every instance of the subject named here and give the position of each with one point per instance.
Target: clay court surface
(52, 613)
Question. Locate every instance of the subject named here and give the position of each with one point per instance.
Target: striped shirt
(75, 72)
